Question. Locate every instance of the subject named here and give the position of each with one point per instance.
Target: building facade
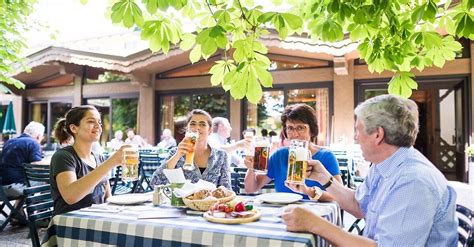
(133, 87)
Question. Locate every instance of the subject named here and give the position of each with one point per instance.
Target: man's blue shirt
(407, 202)
(16, 151)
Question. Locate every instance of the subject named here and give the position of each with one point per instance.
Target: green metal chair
(36, 173)
(39, 207)
(15, 212)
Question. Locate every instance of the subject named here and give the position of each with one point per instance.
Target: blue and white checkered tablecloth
(82, 228)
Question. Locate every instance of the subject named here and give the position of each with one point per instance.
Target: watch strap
(329, 183)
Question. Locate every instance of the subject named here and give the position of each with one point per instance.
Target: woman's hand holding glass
(184, 147)
(117, 157)
(298, 188)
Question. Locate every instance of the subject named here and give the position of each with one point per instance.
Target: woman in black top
(79, 176)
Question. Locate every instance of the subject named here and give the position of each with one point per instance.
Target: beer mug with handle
(297, 161)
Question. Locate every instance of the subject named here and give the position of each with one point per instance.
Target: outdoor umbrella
(9, 124)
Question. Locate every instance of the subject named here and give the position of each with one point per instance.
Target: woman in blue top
(298, 122)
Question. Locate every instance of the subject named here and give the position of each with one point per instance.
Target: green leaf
(195, 54)
(360, 17)
(293, 21)
(418, 13)
(239, 88)
(266, 17)
(402, 84)
(254, 92)
(188, 41)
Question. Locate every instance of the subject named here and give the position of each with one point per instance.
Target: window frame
(286, 88)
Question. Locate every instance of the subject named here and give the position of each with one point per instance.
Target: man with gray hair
(221, 130)
(22, 149)
(404, 199)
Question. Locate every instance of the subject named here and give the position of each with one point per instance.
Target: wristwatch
(317, 193)
(329, 183)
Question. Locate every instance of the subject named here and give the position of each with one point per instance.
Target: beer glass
(130, 164)
(191, 137)
(297, 161)
(261, 152)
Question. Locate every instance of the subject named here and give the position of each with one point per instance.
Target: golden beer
(297, 162)
(191, 138)
(130, 164)
(297, 172)
(261, 153)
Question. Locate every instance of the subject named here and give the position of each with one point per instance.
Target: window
(267, 113)
(174, 109)
(318, 98)
(48, 113)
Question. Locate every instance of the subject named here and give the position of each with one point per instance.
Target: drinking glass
(191, 137)
(130, 164)
(297, 161)
(261, 151)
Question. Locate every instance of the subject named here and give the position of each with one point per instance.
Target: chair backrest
(39, 206)
(238, 183)
(37, 173)
(39, 203)
(357, 227)
(465, 225)
(118, 186)
(149, 162)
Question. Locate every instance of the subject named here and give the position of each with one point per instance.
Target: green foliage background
(395, 35)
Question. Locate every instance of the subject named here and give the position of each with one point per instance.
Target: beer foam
(301, 153)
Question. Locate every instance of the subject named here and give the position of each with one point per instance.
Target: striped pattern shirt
(407, 202)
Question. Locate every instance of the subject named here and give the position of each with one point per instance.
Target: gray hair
(34, 129)
(396, 115)
(216, 121)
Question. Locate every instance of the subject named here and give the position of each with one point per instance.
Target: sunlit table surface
(123, 228)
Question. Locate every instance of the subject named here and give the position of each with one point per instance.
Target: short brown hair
(302, 113)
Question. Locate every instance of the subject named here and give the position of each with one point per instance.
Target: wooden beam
(455, 67)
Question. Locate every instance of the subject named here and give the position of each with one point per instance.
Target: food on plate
(214, 194)
(233, 209)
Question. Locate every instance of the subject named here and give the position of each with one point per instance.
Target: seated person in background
(298, 122)
(134, 139)
(78, 175)
(405, 199)
(221, 130)
(167, 140)
(211, 163)
(117, 141)
(16, 151)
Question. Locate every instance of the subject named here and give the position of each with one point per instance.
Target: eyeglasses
(299, 128)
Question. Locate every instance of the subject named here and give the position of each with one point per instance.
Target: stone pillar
(78, 91)
(343, 120)
(146, 113)
(235, 118)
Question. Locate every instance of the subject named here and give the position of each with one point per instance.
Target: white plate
(280, 197)
(129, 199)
